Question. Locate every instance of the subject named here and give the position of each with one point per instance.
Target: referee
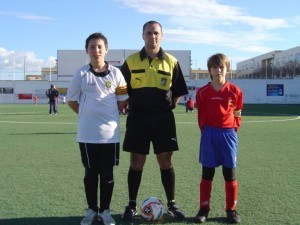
(155, 84)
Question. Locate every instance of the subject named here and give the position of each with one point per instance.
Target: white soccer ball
(152, 209)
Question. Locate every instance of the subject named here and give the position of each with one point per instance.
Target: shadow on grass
(42, 221)
(220, 220)
(76, 220)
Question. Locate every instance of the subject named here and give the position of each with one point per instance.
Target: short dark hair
(150, 23)
(96, 35)
(218, 59)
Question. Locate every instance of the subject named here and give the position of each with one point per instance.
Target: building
(273, 65)
(68, 61)
(34, 77)
(204, 74)
(271, 78)
(49, 73)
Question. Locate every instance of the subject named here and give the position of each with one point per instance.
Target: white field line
(195, 122)
(33, 122)
(254, 121)
(268, 121)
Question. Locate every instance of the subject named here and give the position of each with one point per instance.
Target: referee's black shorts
(144, 128)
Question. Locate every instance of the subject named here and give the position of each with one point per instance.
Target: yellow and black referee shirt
(153, 83)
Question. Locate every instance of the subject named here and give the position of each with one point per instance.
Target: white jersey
(98, 115)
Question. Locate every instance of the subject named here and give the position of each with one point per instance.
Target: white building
(271, 78)
(68, 61)
(273, 65)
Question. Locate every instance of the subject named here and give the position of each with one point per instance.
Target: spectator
(52, 94)
(190, 105)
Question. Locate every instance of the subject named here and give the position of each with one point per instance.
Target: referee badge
(163, 82)
(108, 84)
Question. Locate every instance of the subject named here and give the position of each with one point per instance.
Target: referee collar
(161, 54)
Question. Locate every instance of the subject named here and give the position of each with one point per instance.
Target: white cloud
(202, 12)
(242, 41)
(26, 16)
(13, 62)
(213, 23)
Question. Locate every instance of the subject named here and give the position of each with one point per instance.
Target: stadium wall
(23, 91)
(280, 91)
(68, 61)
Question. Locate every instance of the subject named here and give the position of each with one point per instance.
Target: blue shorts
(218, 146)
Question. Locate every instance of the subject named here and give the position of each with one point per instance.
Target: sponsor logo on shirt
(108, 84)
(216, 98)
(163, 82)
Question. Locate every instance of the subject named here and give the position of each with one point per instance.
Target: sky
(33, 30)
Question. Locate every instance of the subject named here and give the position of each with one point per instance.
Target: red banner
(25, 96)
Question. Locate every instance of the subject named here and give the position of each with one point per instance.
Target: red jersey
(221, 108)
(190, 104)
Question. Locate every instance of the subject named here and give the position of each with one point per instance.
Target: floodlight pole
(272, 65)
(50, 71)
(266, 69)
(24, 67)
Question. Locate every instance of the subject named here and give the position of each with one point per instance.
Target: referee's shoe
(174, 211)
(130, 212)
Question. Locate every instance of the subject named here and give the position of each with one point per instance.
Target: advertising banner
(275, 90)
(24, 96)
(6, 90)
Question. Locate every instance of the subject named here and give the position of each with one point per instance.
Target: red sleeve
(238, 111)
(199, 110)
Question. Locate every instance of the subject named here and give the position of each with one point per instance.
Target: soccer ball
(152, 209)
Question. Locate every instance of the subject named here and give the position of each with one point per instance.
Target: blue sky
(34, 29)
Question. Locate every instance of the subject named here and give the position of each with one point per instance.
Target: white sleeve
(74, 89)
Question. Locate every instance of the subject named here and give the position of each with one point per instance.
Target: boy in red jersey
(190, 105)
(219, 106)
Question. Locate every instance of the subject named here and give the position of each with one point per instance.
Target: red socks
(231, 190)
(205, 190)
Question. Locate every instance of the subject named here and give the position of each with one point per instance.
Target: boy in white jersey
(97, 93)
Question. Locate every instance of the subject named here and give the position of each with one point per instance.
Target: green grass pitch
(41, 172)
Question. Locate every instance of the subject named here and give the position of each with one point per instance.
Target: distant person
(155, 85)
(52, 94)
(219, 105)
(185, 103)
(190, 105)
(35, 99)
(97, 93)
(185, 98)
(64, 99)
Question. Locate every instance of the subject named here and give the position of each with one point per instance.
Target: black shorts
(99, 155)
(143, 128)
